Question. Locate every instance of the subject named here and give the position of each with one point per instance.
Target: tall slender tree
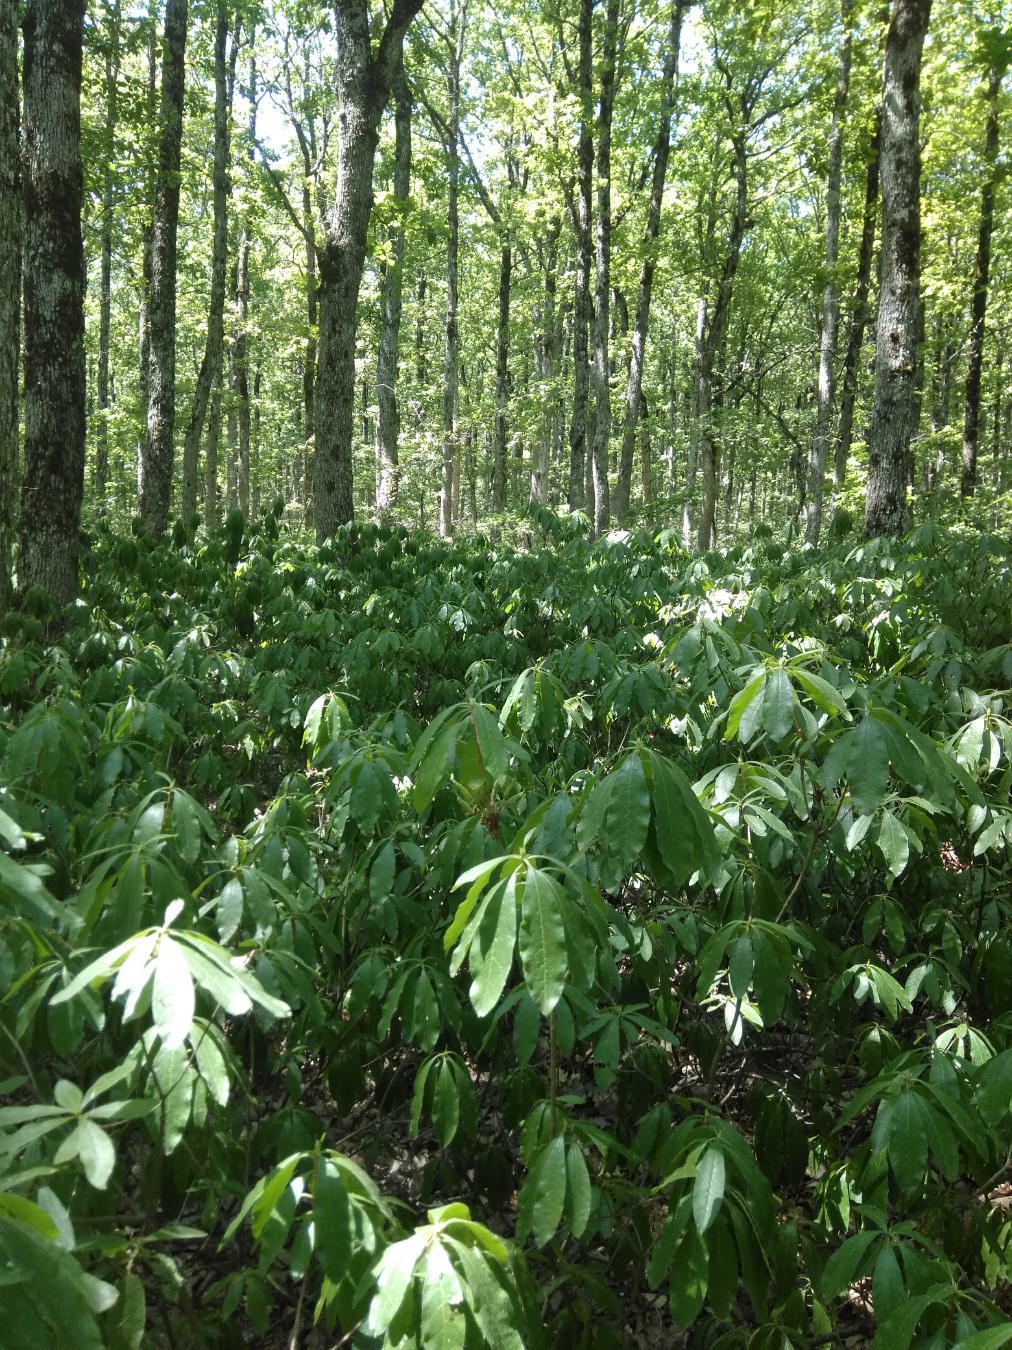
(892, 423)
(388, 420)
(53, 484)
(860, 313)
(112, 78)
(661, 153)
(999, 62)
(818, 451)
(365, 73)
(601, 368)
(157, 458)
(580, 212)
(10, 287)
(211, 362)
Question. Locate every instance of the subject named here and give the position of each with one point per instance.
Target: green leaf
(333, 1220)
(684, 831)
(689, 1278)
(442, 1319)
(430, 765)
(491, 744)
(778, 704)
(908, 1141)
(22, 889)
(543, 1194)
(747, 700)
(845, 1264)
(96, 1151)
(708, 1188)
(578, 1193)
(382, 872)
(229, 909)
(627, 819)
(172, 996)
(893, 843)
(990, 1339)
(888, 1288)
(492, 948)
(445, 1103)
(862, 754)
(740, 960)
(542, 939)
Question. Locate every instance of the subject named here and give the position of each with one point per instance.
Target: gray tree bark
(112, 67)
(601, 369)
(53, 484)
(388, 420)
(981, 276)
(157, 459)
(584, 261)
(662, 149)
(829, 328)
(10, 288)
(859, 316)
(502, 380)
(449, 487)
(211, 363)
(240, 350)
(364, 78)
(546, 360)
(712, 342)
(892, 421)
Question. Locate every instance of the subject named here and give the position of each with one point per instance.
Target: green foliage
(658, 907)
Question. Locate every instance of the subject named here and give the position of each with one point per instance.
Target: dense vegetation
(457, 944)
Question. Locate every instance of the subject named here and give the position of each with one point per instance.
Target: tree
(157, 457)
(53, 485)
(211, 362)
(601, 368)
(661, 151)
(10, 286)
(830, 306)
(859, 313)
(388, 421)
(999, 61)
(112, 79)
(364, 78)
(886, 511)
(579, 211)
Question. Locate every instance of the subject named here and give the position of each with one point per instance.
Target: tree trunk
(105, 271)
(695, 426)
(662, 148)
(502, 381)
(10, 288)
(156, 464)
(981, 274)
(886, 511)
(859, 315)
(240, 360)
(388, 421)
(53, 484)
(363, 80)
(713, 340)
(449, 489)
(601, 371)
(144, 302)
(210, 372)
(584, 258)
(546, 356)
(240, 353)
(830, 307)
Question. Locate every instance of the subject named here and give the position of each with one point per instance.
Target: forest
(505, 663)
